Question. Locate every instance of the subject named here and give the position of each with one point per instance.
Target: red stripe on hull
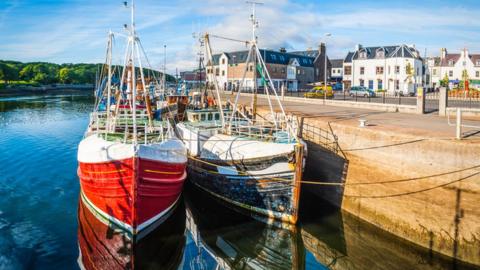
(111, 187)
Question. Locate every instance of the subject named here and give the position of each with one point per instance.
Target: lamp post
(325, 67)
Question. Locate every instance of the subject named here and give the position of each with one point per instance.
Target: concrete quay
(404, 173)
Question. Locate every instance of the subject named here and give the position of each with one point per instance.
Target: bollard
(459, 124)
(363, 122)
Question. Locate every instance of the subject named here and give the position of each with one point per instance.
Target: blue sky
(75, 30)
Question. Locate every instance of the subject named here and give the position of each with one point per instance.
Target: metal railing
(459, 122)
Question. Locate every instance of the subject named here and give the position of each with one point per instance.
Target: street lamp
(325, 67)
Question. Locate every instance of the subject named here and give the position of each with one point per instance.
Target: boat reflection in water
(225, 239)
(103, 245)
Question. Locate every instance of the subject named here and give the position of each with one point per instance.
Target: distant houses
(456, 67)
(397, 69)
(291, 70)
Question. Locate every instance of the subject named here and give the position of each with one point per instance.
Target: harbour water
(44, 226)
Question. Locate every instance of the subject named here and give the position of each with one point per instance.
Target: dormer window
(380, 53)
(450, 62)
(478, 63)
(363, 54)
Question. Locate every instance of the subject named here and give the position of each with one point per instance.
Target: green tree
(444, 82)
(27, 72)
(9, 72)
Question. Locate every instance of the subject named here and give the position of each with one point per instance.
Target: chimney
(322, 48)
(358, 47)
(283, 50)
(443, 53)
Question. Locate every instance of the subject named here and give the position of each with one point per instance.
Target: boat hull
(135, 192)
(274, 194)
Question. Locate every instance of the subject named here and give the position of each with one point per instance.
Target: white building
(396, 69)
(336, 70)
(454, 66)
(219, 69)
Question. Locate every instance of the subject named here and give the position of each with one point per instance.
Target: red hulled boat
(131, 166)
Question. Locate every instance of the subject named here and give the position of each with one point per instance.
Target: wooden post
(297, 184)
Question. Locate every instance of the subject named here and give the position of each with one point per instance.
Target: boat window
(210, 117)
(217, 116)
(195, 117)
(202, 117)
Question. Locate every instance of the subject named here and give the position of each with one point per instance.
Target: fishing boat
(103, 245)
(131, 165)
(247, 162)
(238, 241)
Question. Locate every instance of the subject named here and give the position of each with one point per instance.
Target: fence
(463, 99)
(377, 97)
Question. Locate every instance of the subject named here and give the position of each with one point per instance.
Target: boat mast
(215, 82)
(109, 82)
(132, 41)
(254, 47)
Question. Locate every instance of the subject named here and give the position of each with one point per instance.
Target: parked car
(319, 93)
(361, 91)
(321, 87)
(337, 87)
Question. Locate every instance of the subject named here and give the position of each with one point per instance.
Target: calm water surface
(43, 225)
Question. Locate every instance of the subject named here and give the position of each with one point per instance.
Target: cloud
(76, 31)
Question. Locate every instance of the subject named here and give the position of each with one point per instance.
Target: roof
(475, 58)
(336, 63)
(403, 51)
(308, 53)
(349, 57)
(269, 56)
(449, 57)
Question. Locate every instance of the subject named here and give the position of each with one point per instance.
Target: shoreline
(47, 89)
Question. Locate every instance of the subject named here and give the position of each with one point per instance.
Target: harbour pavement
(403, 173)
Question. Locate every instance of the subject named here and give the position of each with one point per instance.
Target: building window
(450, 73)
(450, 62)
(397, 69)
(250, 67)
(274, 57)
(434, 71)
(478, 63)
(217, 71)
(477, 74)
(298, 71)
(380, 54)
(283, 70)
(223, 61)
(362, 70)
(348, 70)
(282, 58)
(362, 83)
(370, 84)
(397, 85)
(379, 70)
(379, 84)
(223, 72)
(363, 55)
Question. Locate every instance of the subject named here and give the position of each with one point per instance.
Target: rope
(324, 183)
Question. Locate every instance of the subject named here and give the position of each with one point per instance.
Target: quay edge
(405, 183)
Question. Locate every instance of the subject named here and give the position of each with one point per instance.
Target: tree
(444, 82)
(9, 72)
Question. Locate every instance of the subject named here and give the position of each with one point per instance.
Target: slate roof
(450, 57)
(390, 52)
(269, 56)
(475, 58)
(336, 63)
(309, 53)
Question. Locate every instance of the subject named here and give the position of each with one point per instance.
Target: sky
(75, 31)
